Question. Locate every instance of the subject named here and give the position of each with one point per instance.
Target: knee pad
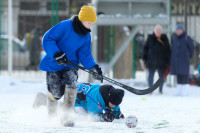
(50, 96)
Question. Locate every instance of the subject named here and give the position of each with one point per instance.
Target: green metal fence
(134, 58)
(110, 43)
(54, 12)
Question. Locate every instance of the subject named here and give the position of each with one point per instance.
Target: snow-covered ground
(156, 113)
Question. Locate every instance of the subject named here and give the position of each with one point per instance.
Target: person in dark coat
(182, 51)
(35, 49)
(156, 54)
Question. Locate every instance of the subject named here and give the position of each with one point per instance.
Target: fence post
(54, 12)
(134, 57)
(0, 32)
(10, 37)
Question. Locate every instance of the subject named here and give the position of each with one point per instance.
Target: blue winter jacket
(93, 96)
(199, 68)
(181, 51)
(62, 37)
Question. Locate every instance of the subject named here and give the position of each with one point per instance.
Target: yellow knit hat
(87, 13)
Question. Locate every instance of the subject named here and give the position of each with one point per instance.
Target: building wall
(177, 14)
(193, 19)
(5, 17)
(25, 9)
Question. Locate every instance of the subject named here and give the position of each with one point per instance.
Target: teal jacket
(85, 101)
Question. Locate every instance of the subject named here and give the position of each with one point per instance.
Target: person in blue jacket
(199, 68)
(100, 101)
(69, 40)
(181, 51)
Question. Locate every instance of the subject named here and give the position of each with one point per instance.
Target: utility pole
(0, 31)
(10, 36)
(185, 15)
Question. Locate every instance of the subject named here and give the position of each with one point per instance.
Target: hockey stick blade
(131, 89)
(146, 91)
(134, 90)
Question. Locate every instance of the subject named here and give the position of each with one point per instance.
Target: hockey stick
(131, 89)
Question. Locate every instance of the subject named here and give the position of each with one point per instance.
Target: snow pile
(134, 16)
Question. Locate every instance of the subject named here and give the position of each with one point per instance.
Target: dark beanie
(116, 96)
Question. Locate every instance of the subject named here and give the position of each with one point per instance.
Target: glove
(120, 115)
(108, 116)
(97, 69)
(61, 58)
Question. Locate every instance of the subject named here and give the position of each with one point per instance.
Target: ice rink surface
(156, 113)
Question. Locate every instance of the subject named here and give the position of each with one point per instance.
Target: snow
(126, 30)
(135, 16)
(147, 15)
(160, 15)
(156, 113)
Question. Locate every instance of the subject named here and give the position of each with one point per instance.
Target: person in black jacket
(156, 54)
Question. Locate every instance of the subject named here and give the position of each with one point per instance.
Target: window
(29, 5)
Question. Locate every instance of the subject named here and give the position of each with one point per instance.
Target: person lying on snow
(100, 101)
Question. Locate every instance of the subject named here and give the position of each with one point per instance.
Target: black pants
(57, 81)
(151, 76)
(183, 79)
